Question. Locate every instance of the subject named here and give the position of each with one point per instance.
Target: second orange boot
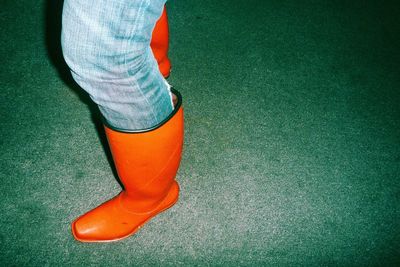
(160, 43)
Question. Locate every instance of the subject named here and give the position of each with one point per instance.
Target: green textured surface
(292, 149)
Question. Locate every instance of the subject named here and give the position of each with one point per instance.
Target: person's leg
(107, 47)
(106, 43)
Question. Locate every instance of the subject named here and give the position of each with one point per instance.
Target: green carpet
(292, 146)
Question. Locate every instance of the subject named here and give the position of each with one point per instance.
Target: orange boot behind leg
(160, 42)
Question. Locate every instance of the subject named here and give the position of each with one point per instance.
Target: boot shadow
(53, 15)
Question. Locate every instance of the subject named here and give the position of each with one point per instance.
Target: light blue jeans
(106, 44)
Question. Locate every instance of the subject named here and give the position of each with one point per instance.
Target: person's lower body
(106, 44)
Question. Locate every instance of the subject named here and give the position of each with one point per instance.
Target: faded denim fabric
(106, 44)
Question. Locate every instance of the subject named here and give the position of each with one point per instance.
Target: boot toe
(84, 232)
(97, 225)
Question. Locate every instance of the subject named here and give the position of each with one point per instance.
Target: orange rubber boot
(146, 162)
(160, 42)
